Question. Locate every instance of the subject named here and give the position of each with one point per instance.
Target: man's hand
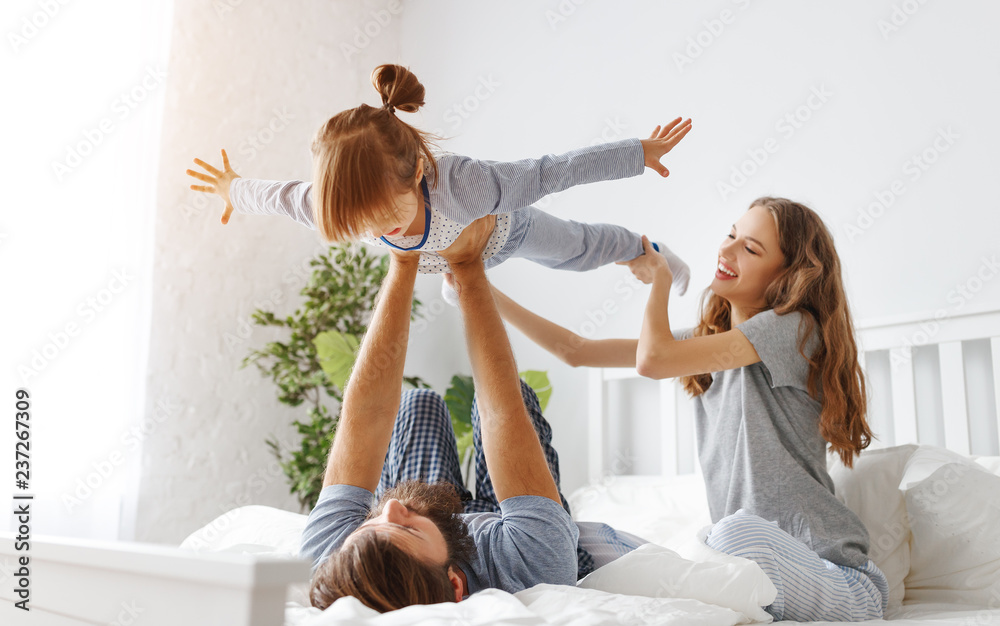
(649, 265)
(662, 141)
(404, 256)
(471, 242)
(218, 182)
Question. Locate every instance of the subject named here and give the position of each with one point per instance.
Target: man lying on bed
(426, 540)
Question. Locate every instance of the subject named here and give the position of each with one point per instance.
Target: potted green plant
(313, 365)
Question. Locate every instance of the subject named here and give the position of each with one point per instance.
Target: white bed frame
(85, 582)
(75, 582)
(913, 396)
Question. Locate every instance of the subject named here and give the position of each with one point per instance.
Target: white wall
(565, 73)
(275, 72)
(523, 78)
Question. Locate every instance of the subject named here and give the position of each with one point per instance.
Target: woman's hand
(650, 265)
(661, 142)
(471, 242)
(218, 182)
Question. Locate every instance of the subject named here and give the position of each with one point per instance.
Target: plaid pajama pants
(423, 448)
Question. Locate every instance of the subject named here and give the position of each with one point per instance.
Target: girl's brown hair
(364, 157)
(809, 282)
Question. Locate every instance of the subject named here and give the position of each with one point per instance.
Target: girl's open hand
(662, 141)
(218, 182)
(648, 266)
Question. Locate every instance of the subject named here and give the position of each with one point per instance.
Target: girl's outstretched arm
(659, 354)
(571, 348)
(256, 197)
(471, 188)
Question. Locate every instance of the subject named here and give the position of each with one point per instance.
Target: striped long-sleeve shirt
(465, 190)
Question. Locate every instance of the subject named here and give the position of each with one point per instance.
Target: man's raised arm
(371, 398)
(513, 453)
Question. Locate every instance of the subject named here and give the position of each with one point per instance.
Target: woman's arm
(659, 355)
(571, 348)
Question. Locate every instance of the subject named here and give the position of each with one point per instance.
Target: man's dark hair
(385, 577)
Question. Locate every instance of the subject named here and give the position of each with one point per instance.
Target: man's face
(423, 520)
(414, 533)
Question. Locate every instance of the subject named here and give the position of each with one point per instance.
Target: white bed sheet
(669, 512)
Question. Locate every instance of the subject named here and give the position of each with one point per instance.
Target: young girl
(773, 369)
(376, 180)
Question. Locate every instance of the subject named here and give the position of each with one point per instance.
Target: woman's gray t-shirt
(760, 446)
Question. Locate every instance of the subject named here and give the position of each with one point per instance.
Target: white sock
(448, 293)
(680, 269)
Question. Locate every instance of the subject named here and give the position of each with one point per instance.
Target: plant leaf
(459, 398)
(539, 381)
(336, 352)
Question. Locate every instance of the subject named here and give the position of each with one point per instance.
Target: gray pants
(566, 244)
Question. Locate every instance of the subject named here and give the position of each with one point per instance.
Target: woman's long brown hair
(810, 282)
(364, 157)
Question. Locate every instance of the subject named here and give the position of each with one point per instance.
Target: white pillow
(261, 526)
(990, 463)
(954, 511)
(656, 572)
(871, 490)
(255, 529)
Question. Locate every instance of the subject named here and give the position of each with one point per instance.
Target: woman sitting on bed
(773, 370)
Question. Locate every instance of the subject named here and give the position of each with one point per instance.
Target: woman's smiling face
(749, 260)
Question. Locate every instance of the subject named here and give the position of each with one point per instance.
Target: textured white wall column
(258, 80)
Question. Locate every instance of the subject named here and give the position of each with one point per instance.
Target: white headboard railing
(931, 379)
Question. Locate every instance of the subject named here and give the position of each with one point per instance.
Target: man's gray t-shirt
(532, 540)
(760, 446)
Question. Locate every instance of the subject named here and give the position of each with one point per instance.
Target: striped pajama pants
(423, 448)
(810, 588)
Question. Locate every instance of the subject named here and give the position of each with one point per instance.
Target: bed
(928, 490)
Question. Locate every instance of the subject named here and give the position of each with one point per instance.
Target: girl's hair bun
(398, 87)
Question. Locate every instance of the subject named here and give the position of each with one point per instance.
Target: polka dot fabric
(443, 232)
